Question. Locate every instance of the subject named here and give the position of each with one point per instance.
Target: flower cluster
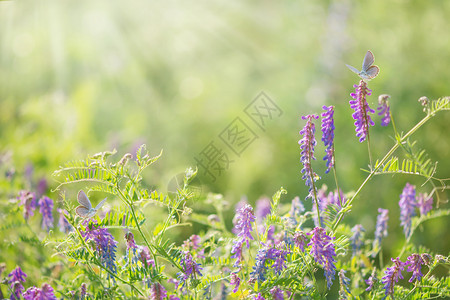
(425, 203)
(392, 275)
(44, 293)
(328, 135)
(372, 280)
(243, 227)
(381, 227)
(45, 208)
(361, 107)
(407, 205)
(157, 292)
(104, 242)
(415, 262)
(323, 251)
(269, 257)
(190, 268)
(383, 108)
(17, 276)
(236, 281)
(357, 239)
(300, 239)
(344, 285)
(28, 201)
(307, 144)
(64, 225)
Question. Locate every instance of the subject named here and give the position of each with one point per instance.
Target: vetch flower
(236, 281)
(392, 275)
(44, 293)
(63, 224)
(45, 208)
(244, 223)
(17, 276)
(105, 245)
(344, 284)
(414, 263)
(28, 201)
(236, 250)
(371, 280)
(307, 144)
(361, 107)
(323, 251)
(259, 269)
(407, 205)
(357, 239)
(381, 227)
(83, 291)
(191, 269)
(297, 209)
(157, 292)
(277, 293)
(328, 135)
(144, 256)
(262, 209)
(279, 255)
(425, 203)
(383, 108)
(259, 297)
(300, 239)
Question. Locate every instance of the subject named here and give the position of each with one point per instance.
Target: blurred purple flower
(41, 187)
(307, 144)
(45, 208)
(259, 297)
(383, 108)
(392, 275)
(63, 224)
(344, 284)
(28, 201)
(357, 239)
(83, 291)
(193, 242)
(277, 293)
(236, 250)
(300, 239)
(174, 281)
(371, 280)
(414, 263)
(144, 257)
(44, 293)
(189, 268)
(323, 251)
(105, 245)
(173, 297)
(328, 135)
(262, 209)
(425, 203)
(407, 205)
(297, 209)
(157, 292)
(236, 281)
(361, 107)
(17, 276)
(381, 227)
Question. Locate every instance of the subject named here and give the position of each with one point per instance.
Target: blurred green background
(82, 77)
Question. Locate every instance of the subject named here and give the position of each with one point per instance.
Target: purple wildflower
(64, 225)
(173, 297)
(262, 208)
(328, 135)
(300, 240)
(371, 280)
(17, 277)
(189, 268)
(45, 208)
(28, 201)
(326, 200)
(407, 205)
(244, 223)
(357, 239)
(259, 269)
(381, 227)
(415, 262)
(174, 281)
(361, 107)
(297, 209)
(105, 245)
(236, 250)
(236, 281)
(144, 256)
(392, 275)
(41, 187)
(277, 293)
(383, 108)
(259, 297)
(131, 248)
(193, 242)
(344, 283)
(44, 293)
(307, 144)
(279, 256)
(83, 291)
(157, 292)
(425, 203)
(323, 251)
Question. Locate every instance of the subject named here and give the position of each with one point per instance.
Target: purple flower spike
(190, 268)
(17, 276)
(381, 227)
(44, 293)
(328, 135)
(45, 208)
(259, 297)
(236, 281)
(307, 144)
(277, 293)
(344, 284)
(383, 108)
(361, 107)
(28, 201)
(244, 223)
(392, 275)
(425, 203)
(371, 280)
(64, 225)
(300, 240)
(323, 251)
(407, 205)
(157, 292)
(415, 262)
(357, 239)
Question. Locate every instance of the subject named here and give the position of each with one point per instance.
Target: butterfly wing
(100, 204)
(82, 211)
(369, 59)
(372, 72)
(353, 69)
(84, 200)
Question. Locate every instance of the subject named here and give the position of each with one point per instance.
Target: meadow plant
(279, 250)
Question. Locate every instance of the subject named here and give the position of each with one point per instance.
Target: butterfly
(85, 209)
(368, 71)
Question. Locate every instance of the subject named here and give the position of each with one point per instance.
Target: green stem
(373, 171)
